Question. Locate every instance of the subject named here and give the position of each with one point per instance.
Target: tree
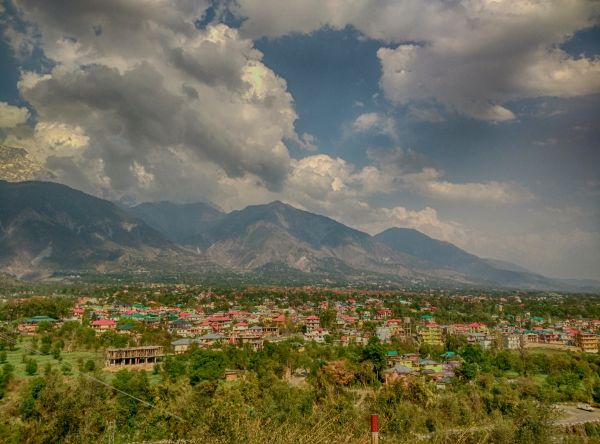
(327, 318)
(467, 371)
(374, 352)
(206, 365)
(46, 344)
(133, 383)
(31, 367)
(338, 372)
(89, 365)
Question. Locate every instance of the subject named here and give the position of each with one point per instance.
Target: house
(384, 334)
(511, 341)
(485, 341)
(317, 335)
(125, 329)
(133, 355)
(587, 342)
(477, 327)
(29, 326)
(231, 375)
(256, 342)
(431, 334)
(392, 357)
(182, 345)
(397, 373)
(210, 339)
(537, 320)
(312, 323)
(427, 319)
(382, 314)
(398, 328)
(102, 325)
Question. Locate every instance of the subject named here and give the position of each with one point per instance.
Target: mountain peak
(405, 231)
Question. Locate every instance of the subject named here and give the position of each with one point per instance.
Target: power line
(99, 381)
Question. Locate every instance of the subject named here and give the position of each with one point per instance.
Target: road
(571, 415)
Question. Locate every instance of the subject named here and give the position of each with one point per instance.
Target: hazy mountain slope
(445, 255)
(46, 227)
(280, 233)
(504, 265)
(178, 222)
(45, 224)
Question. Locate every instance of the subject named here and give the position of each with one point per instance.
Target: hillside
(47, 226)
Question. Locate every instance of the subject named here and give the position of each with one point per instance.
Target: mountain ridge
(45, 226)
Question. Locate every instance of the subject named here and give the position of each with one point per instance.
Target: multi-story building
(431, 334)
(133, 355)
(312, 323)
(587, 342)
(511, 341)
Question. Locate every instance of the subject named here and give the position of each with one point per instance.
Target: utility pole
(374, 429)
(112, 426)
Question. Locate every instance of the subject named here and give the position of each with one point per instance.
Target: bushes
(31, 367)
(331, 404)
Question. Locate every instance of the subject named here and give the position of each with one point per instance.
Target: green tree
(137, 385)
(31, 367)
(89, 365)
(327, 318)
(374, 352)
(206, 365)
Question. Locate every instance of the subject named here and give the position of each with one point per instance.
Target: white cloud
(331, 186)
(136, 87)
(365, 121)
(490, 192)
(472, 57)
(398, 169)
(11, 116)
(376, 122)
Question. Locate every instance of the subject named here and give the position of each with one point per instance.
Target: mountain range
(47, 228)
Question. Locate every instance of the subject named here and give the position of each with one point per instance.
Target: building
(29, 326)
(312, 323)
(133, 355)
(511, 341)
(587, 342)
(182, 345)
(211, 339)
(431, 334)
(485, 341)
(102, 325)
(397, 373)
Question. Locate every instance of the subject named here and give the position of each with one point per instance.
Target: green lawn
(15, 358)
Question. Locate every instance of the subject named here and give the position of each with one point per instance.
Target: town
(343, 322)
(358, 345)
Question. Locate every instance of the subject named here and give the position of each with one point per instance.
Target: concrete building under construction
(133, 355)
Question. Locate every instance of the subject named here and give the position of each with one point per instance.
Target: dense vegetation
(53, 387)
(503, 397)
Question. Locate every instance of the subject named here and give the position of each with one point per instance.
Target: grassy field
(16, 357)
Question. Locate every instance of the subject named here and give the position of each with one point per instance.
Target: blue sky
(474, 122)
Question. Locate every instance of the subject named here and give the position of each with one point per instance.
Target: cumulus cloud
(406, 169)
(472, 57)
(334, 187)
(377, 123)
(492, 192)
(136, 87)
(11, 116)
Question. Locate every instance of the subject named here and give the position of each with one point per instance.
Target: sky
(473, 121)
